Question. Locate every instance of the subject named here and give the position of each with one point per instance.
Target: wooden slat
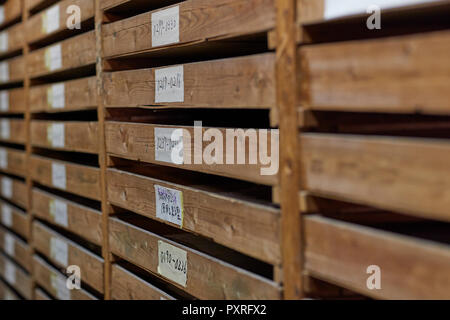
(324, 10)
(21, 279)
(81, 220)
(12, 11)
(21, 251)
(405, 175)
(405, 74)
(18, 192)
(41, 295)
(127, 286)
(16, 101)
(13, 218)
(34, 4)
(76, 52)
(90, 264)
(207, 277)
(16, 162)
(244, 82)
(44, 273)
(137, 142)
(36, 27)
(13, 130)
(238, 224)
(80, 179)
(16, 70)
(6, 293)
(79, 136)
(199, 20)
(15, 36)
(410, 268)
(79, 94)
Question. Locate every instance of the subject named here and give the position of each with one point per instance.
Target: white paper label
(7, 218)
(58, 283)
(53, 57)
(56, 96)
(169, 84)
(58, 210)
(172, 263)
(4, 101)
(168, 141)
(59, 251)
(341, 8)
(7, 187)
(59, 175)
(55, 135)
(3, 158)
(166, 26)
(50, 20)
(5, 129)
(4, 72)
(169, 205)
(4, 41)
(2, 14)
(10, 272)
(9, 244)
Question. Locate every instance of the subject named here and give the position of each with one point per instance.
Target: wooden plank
(71, 216)
(13, 70)
(199, 20)
(378, 75)
(244, 82)
(79, 94)
(12, 130)
(81, 180)
(241, 225)
(73, 53)
(15, 162)
(15, 248)
(405, 175)
(54, 282)
(64, 252)
(127, 286)
(15, 276)
(14, 39)
(12, 12)
(41, 295)
(137, 142)
(325, 10)
(14, 101)
(343, 256)
(207, 277)
(79, 136)
(37, 4)
(6, 293)
(46, 23)
(14, 219)
(14, 190)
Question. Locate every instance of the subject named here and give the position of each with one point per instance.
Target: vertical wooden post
(102, 150)
(286, 79)
(28, 148)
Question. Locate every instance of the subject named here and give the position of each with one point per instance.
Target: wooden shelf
(14, 190)
(244, 82)
(12, 12)
(69, 215)
(15, 162)
(6, 293)
(76, 136)
(206, 277)
(14, 219)
(12, 70)
(15, 276)
(54, 282)
(78, 179)
(73, 95)
(14, 36)
(64, 252)
(16, 248)
(13, 130)
(15, 101)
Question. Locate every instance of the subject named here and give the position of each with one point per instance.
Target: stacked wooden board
(64, 160)
(224, 149)
(217, 221)
(374, 152)
(15, 256)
